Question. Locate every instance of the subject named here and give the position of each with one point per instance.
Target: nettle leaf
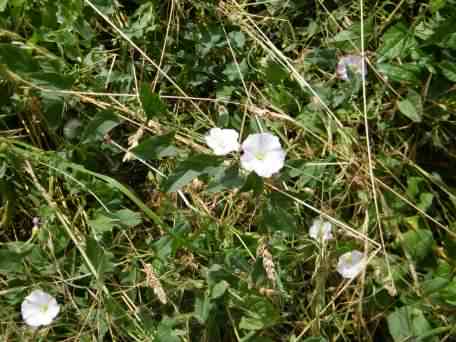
(398, 41)
(101, 125)
(408, 323)
(418, 243)
(260, 313)
(100, 258)
(412, 106)
(157, 147)
(106, 222)
(253, 182)
(151, 102)
(17, 59)
(191, 168)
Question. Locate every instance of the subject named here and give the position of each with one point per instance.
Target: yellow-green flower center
(44, 308)
(260, 156)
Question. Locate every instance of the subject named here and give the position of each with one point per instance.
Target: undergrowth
(112, 202)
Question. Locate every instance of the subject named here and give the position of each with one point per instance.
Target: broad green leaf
(227, 178)
(203, 307)
(100, 258)
(189, 169)
(17, 59)
(101, 125)
(253, 182)
(165, 331)
(448, 70)
(408, 323)
(219, 289)
(401, 73)
(418, 243)
(50, 80)
(412, 106)
(151, 102)
(101, 224)
(127, 217)
(3, 4)
(398, 41)
(250, 323)
(156, 147)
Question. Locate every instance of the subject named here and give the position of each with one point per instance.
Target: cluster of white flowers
(261, 152)
(351, 263)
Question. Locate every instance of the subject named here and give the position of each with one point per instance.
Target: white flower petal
(263, 154)
(321, 230)
(39, 308)
(222, 141)
(354, 63)
(351, 264)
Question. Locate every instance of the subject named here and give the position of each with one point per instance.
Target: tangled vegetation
(118, 215)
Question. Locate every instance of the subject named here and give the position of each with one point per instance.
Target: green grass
(145, 235)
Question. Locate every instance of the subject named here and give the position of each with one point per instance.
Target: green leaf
(189, 169)
(398, 41)
(401, 73)
(101, 125)
(250, 323)
(228, 178)
(408, 323)
(157, 147)
(151, 102)
(101, 224)
(412, 106)
(418, 243)
(100, 258)
(219, 289)
(253, 182)
(51, 80)
(127, 217)
(448, 70)
(17, 59)
(203, 308)
(277, 214)
(165, 331)
(3, 4)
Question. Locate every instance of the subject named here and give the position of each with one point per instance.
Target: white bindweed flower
(39, 308)
(351, 264)
(263, 154)
(222, 141)
(320, 230)
(352, 62)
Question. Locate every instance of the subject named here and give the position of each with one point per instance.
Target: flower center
(260, 155)
(44, 308)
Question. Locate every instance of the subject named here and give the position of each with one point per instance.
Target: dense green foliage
(145, 235)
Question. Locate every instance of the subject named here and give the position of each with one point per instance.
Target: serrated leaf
(412, 106)
(418, 243)
(398, 41)
(17, 59)
(151, 102)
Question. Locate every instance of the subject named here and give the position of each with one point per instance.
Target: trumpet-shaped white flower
(222, 141)
(263, 154)
(39, 308)
(352, 62)
(351, 264)
(320, 230)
